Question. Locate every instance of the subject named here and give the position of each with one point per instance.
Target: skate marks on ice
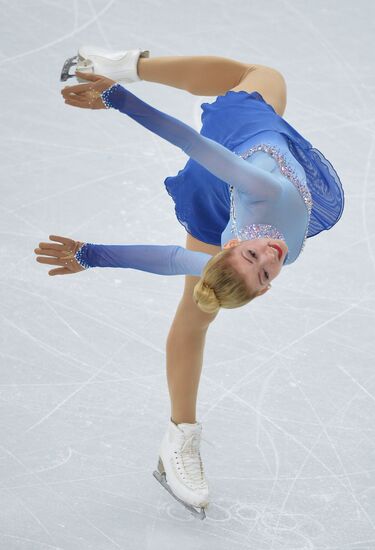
(258, 522)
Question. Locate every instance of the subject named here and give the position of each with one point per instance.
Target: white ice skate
(180, 468)
(120, 66)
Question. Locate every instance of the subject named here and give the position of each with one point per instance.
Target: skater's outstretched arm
(75, 256)
(220, 161)
(216, 158)
(159, 259)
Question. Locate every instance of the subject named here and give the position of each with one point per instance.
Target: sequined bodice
(254, 231)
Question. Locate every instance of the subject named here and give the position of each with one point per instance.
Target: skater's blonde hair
(221, 286)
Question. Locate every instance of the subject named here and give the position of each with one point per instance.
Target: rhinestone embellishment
(80, 256)
(260, 230)
(255, 231)
(106, 95)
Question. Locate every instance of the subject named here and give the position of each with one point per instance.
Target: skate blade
(65, 70)
(163, 481)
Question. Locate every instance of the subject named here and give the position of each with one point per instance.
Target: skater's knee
(269, 82)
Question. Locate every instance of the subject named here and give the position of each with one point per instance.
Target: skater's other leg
(185, 345)
(269, 82)
(199, 75)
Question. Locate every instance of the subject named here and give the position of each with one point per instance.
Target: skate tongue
(189, 428)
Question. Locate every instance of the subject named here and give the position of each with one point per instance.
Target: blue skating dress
(250, 174)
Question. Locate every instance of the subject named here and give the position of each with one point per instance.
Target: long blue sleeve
(160, 259)
(220, 161)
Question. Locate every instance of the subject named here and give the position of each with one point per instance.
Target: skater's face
(258, 260)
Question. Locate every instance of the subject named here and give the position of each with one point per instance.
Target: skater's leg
(185, 345)
(199, 75)
(270, 83)
(211, 75)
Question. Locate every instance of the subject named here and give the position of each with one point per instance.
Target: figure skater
(251, 193)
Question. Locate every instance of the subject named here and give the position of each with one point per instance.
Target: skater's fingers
(96, 81)
(51, 252)
(51, 245)
(89, 76)
(50, 260)
(58, 238)
(78, 96)
(86, 103)
(76, 89)
(83, 104)
(59, 271)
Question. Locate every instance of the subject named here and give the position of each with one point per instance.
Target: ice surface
(288, 385)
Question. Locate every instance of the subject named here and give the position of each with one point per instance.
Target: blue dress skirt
(202, 201)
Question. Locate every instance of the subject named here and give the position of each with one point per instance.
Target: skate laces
(191, 458)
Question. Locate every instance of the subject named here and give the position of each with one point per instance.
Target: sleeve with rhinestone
(159, 259)
(213, 156)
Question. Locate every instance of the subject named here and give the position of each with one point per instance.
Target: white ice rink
(287, 393)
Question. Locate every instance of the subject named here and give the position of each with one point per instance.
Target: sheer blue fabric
(324, 185)
(236, 116)
(221, 162)
(159, 259)
(200, 190)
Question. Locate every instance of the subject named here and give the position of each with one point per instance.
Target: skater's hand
(87, 95)
(61, 254)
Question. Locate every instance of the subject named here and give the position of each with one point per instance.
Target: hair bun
(212, 292)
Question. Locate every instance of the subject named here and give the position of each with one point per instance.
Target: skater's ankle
(141, 72)
(183, 420)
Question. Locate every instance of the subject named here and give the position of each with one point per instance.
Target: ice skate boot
(180, 468)
(120, 66)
